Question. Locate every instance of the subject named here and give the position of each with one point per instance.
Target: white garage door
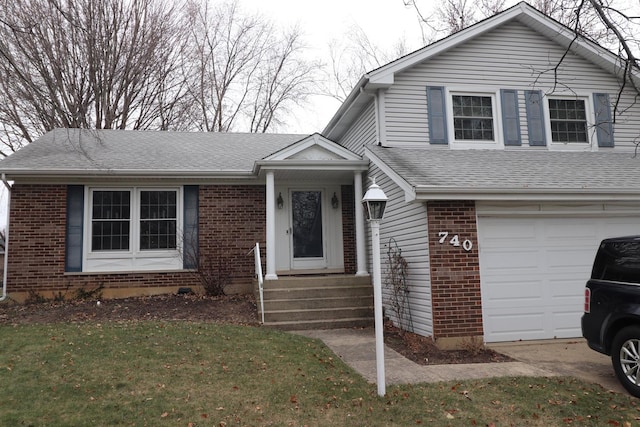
(533, 272)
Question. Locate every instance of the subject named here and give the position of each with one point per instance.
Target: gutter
(6, 241)
(425, 193)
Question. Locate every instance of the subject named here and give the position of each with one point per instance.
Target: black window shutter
(535, 117)
(510, 117)
(436, 105)
(74, 232)
(604, 120)
(190, 243)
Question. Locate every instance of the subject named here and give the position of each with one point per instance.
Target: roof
(384, 76)
(433, 174)
(75, 152)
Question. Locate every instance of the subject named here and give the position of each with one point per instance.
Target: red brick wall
(348, 229)
(455, 273)
(232, 220)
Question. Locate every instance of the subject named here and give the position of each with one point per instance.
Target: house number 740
(455, 240)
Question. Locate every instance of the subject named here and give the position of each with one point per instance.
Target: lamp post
(374, 202)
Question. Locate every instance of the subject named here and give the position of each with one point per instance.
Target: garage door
(533, 272)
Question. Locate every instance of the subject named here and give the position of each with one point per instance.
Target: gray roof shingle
(513, 169)
(94, 151)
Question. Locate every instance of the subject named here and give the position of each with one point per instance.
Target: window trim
(591, 143)
(133, 259)
(496, 109)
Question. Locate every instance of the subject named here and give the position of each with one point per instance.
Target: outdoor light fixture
(279, 201)
(335, 203)
(374, 202)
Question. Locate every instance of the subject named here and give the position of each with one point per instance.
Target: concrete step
(285, 282)
(360, 322)
(318, 303)
(318, 292)
(317, 314)
(308, 302)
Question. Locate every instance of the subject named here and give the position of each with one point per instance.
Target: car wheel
(625, 356)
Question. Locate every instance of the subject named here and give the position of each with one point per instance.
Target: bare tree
(244, 74)
(456, 15)
(452, 16)
(86, 63)
(354, 55)
(144, 64)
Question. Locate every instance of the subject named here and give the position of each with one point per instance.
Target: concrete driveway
(568, 357)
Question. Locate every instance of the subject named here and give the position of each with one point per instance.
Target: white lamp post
(374, 202)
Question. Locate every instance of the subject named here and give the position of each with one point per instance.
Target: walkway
(356, 347)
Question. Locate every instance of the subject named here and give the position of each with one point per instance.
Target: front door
(308, 247)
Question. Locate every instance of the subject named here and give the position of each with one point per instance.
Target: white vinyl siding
(512, 57)
(362, 131)
(406, 224)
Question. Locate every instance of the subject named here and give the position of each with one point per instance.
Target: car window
(618, 261)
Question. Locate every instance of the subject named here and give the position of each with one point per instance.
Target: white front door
(307, 230)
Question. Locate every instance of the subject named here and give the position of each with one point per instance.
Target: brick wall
(455, 272)
(232, 220)
(348, 229)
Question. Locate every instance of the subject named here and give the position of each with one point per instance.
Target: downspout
(6, 241)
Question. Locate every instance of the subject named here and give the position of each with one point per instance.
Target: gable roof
(76, 152)
(509, 175)
(524, 13)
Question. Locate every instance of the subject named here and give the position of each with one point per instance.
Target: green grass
(199, 374)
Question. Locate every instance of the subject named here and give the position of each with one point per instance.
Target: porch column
(271, 228)
(361, 252)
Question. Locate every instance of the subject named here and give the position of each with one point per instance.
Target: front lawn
(204, 374)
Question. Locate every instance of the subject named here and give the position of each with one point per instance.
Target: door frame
(332, 231)
(311, 263)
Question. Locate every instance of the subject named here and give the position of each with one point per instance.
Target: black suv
(611, 320)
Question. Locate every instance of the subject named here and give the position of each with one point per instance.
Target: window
(568, 119)
(110, 224)
(473, 118)
(135, 220)
(158, 216)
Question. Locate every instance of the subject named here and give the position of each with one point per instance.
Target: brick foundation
(455, 272)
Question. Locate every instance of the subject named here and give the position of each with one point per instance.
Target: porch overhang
(317, 154)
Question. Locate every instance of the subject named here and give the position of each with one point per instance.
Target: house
(507, 151)
(504, 167)
(134, 212)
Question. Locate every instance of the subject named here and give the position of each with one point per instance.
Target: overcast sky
(384, 21)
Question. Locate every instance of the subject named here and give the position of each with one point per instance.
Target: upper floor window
(473, 118)
(568, 120)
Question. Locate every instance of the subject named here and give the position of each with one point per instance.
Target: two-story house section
(508, 152)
